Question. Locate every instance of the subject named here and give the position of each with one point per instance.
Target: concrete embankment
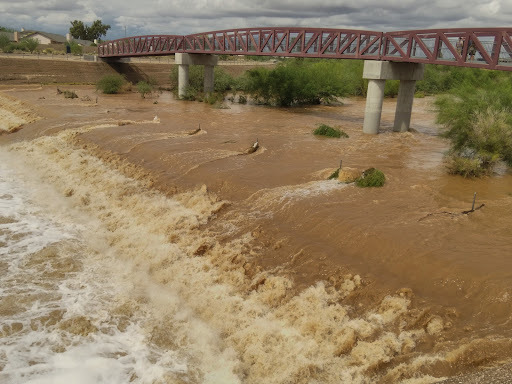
(61, 71)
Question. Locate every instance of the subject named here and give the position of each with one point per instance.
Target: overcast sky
(141, 17)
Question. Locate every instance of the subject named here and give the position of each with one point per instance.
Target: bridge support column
(182, 79)
(183, 60)
(373, 109)
(404, 105)
(378, 72)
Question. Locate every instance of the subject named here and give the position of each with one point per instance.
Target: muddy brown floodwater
(391, 284)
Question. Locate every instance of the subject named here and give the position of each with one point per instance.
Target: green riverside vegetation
(477, 118)
(110, 84)
(474, 105)
(144, 88)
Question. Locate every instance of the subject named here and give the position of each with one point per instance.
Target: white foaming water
(174, 314)
(56, 307)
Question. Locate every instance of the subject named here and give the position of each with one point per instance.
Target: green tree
(96, 30)
(30, 44)
(4, 29)
(82, 31)
(78, 30)
(4, 41)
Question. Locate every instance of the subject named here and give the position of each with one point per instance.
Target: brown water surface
(408, 239)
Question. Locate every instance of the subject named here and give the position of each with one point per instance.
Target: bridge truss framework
(492, 47)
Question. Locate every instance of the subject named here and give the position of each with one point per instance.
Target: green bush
(75, 48)
(444, 78)
(10, 48)
(295, 82)
(4, 41)
(29, 44)
(110, 84)
(391, 88)
(144, 88)
(70, 95)
(326, 130)
(372, 177)
(469, 166)
(477, 119)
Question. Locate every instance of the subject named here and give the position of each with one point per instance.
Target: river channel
(135, 251)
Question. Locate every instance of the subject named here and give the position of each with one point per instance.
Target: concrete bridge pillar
(373, 109)
(183, 60)
(378, 72)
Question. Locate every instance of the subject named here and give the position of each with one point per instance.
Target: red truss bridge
(489, 48)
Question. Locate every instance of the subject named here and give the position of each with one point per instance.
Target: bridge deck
(489, 48)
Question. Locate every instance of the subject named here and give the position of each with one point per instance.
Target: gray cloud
(194, 16)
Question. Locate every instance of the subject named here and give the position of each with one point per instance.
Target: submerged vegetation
(110, 84)
(145, 88)
(291, 82)
(474, 107)
(327, 130)
(372, 177)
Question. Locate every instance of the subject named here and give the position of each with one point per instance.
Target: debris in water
(253, 148)
(453, 213)
(195, 131)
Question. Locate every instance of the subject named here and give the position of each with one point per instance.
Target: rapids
(132, 251)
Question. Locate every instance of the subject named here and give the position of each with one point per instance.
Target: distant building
(44, 38)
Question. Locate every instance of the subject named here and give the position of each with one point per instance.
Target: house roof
(55, 37)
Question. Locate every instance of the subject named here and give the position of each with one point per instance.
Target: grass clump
(372, 177)
(110, 84)
(326, 130)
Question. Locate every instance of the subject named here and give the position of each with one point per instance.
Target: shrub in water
(371, 178)
(110, 84)
(469, 166)
(326, 130)
(478, 123)
(144, 88)
(70, 94)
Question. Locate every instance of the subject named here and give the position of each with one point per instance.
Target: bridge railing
(489, 48)
(151, 45)
(289, 42)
